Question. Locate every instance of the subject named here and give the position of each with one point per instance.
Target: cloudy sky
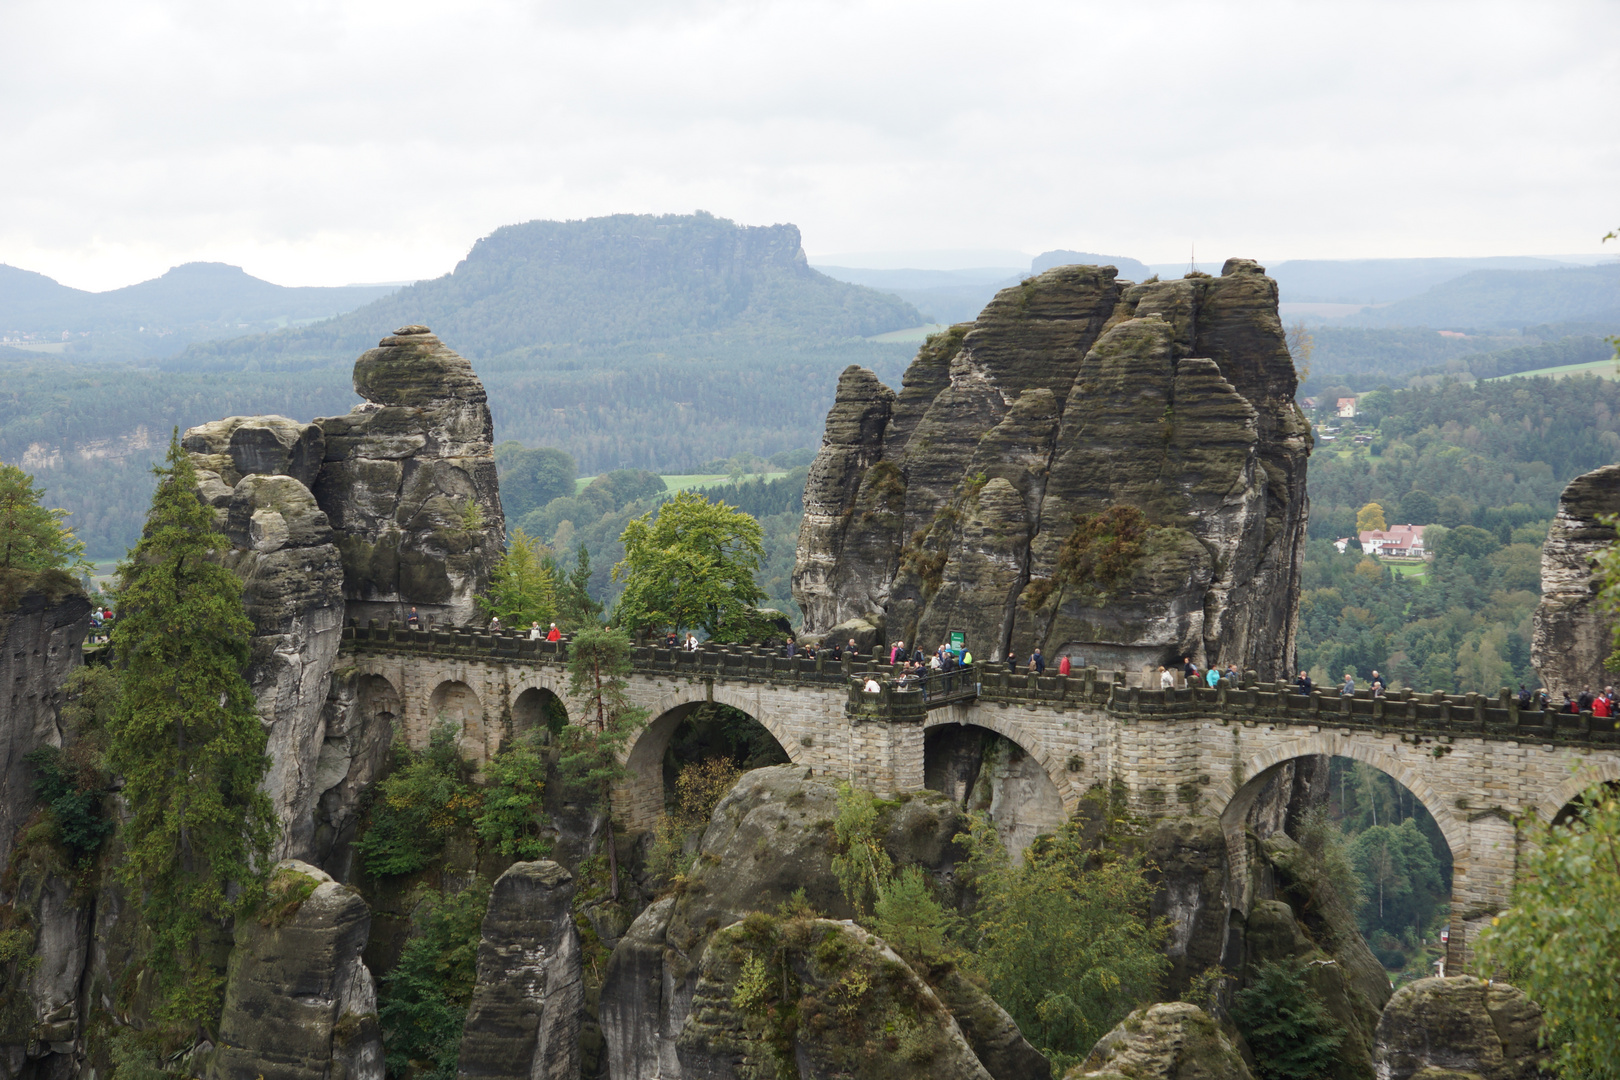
(373, 140)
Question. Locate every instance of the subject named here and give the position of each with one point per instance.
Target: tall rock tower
(1106, 470)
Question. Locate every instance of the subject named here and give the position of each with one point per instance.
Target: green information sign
(958, 641)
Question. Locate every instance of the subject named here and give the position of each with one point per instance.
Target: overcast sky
(325, 143)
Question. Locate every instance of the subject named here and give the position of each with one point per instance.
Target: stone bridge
(1473, 761)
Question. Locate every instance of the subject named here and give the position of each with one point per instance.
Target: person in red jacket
(1063, 664)
(554, 634)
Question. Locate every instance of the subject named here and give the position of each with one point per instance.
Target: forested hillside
(630, 342)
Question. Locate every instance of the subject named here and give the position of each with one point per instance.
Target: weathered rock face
(979, 770)
(947, 506)
(1571, 637)
(769, 837)
(409, 483)
(524, 1020)
(1461, 1026)
(366, 515)
(43, 620)
(1170, 1041)
(299, 1002)
(861, 1011)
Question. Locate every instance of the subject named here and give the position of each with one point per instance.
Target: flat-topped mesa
(409, 483)
(1109, 471)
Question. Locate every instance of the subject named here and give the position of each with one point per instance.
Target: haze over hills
(160, 316)
(1494, 299)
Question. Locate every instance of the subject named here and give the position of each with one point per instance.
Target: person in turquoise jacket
(1213, 677)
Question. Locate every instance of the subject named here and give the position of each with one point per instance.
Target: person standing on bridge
(534, 630)
(413, 620)
(897, 652)
(1189, 670)
(1037, 662)
(1167, 679)
(1349, 687)
(1303, 683)
(1212, 677)
(554, 634)
(1063, 665)
(1377, 684)
(1012, 662)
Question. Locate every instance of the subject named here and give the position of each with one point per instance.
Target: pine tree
(32, 537)
(598, 661)
(187, 740)
(1291, 1032)
(523, 588)
(576, 610)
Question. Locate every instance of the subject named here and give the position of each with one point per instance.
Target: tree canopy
(187, 740)
(1370, 518)
(523, 586)
(31, 536)
(691, 564)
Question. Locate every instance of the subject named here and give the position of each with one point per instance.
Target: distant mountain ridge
(187, 296)
(542, 288)
(1495, 299)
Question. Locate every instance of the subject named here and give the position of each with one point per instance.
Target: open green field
(682, 481)
(1603, 369)
(918, 334)
(1407, 569)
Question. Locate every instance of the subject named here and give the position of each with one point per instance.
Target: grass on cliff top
(1603, 369)
(681, 481)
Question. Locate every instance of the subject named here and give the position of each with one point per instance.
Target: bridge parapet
(1436, 715)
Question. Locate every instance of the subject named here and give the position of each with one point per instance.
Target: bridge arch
(1022, 798)
(455, 701)
(642, 792)
(1068, 781)
(1606, 772)
(1236, 803)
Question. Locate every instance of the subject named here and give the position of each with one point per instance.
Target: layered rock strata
(43, 620)
(768, 839)
(524, 1020)
(1461, 1026)
(951, 504)
(299, 1001)
(1169, 1041)
(1571, 636)
(392, 506)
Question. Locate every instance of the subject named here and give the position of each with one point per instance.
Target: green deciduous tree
(691, 564)
(187, 738)
(576, 608)
(31, 536)
(1560, 941)
(422, 1006)
(1064, 941)
(523, 587)
(598, 662)
(418, 804)
(512, 817)
(1400, 878)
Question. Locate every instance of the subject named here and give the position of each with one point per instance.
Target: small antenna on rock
(1192, 258)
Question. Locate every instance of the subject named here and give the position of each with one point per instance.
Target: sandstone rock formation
(408, 481)
(525, 1015)
(1571, 637)
(366, 515)
(43, 620)
(858, 1009)
(951, 505)
(1461, 1026)
(1169, 1041)
(768, 838)
(299, 1002)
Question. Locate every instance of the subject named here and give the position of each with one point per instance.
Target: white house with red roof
(1398, 541)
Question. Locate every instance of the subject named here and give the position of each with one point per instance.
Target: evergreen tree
(32, 537)
(523, 588)
(1283, 1020)
(598, 661)
(576, 609)
(187, 740)
(689, 564)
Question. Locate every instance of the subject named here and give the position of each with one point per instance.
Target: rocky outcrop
(299, 1002)
(1169, 1041)
(1461, 1026)
(956, 504)
(43, 620)
(769, 838)
(1570, 635)
(820, 999)
(366, 515)
(980, 770)
(408, 480)
(525, 1015)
